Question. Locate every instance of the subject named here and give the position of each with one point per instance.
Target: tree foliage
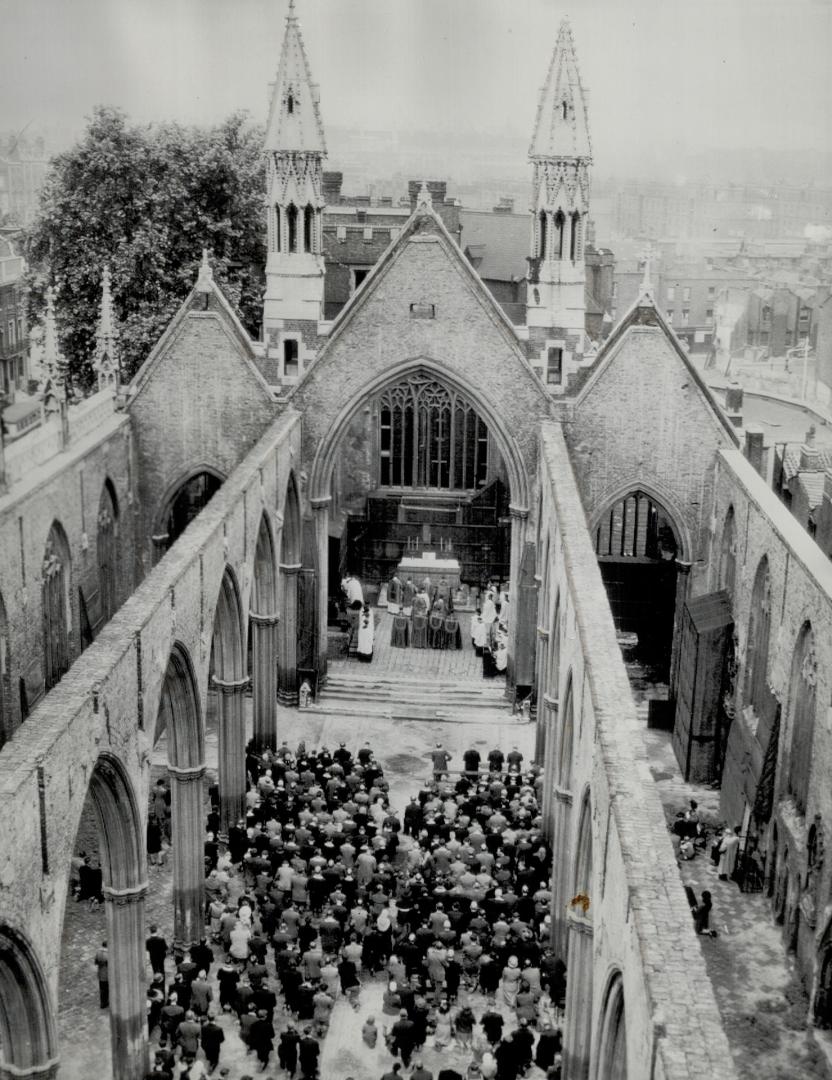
(146, 201)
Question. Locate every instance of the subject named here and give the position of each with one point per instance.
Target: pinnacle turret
(106, 357)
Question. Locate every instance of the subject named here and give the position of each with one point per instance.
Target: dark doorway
(637, 545)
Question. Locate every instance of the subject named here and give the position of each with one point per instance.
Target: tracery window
(430, 437)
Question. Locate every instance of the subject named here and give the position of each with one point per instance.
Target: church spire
(561, 127)
(295, 149)
(294, 117)
(561, 154)
(52, 390)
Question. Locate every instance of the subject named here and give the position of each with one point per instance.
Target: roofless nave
(621, 471)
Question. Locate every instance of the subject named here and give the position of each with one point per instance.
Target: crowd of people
(323, 892)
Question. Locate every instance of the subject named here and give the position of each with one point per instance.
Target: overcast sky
(665, 73)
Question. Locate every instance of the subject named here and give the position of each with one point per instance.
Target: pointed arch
(728, 554)
(56, 595)
(802, 712)
(755, 682)
(107, 550)
(292, 227)
(180, 714)
(612, 1040)
(291, 535)
(308, 227)
(567, 736)
(582, 875)
(264, 622)
(28, 1033)
(229, 680)
(291, 549)
(542, 233)
(560, 229)
(264, 577)
(228, 640)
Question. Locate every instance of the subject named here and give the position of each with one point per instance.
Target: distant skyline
(667, 80)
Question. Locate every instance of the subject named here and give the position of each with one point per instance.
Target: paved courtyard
(763, 1004)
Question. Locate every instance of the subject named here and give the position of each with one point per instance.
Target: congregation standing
(323, 889)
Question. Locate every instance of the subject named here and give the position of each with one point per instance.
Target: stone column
(578, 1016)
(321, 508)
(128, 1009)
(188, 824)
(562, 859)
(519, 514)
(232, 751)
(287, 664)
(682, 589)
(264, 638)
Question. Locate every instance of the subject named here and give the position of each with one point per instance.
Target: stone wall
(108, 702)
(65, 488)
(645, 420)
(179, 431)
(637, 920)
(801, 591)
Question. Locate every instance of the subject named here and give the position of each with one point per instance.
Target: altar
(428, 566)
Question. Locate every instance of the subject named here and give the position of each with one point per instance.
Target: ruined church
(185, 536)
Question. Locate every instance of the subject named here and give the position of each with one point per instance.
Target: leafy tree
(146, 201)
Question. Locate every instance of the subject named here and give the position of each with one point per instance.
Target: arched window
(583, 854)
(429, 437)
(575, 236)
(190, 498)
(755, 686)
(107, 552)
(278, 225)
(560, 227)
(292, 227)
(612, 1054)
(564, 109)
(802, 706)
(290, 103)
(567, 738)
(57, 608)
(728, 554)
(308, 220)
(541, 248)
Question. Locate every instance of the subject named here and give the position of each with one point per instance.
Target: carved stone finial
(424, 198)
(52, 389)
(205, 278)
(106, 357)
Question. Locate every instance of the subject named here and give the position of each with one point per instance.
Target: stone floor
(763, 1004)
(439, 664)
(403, 747)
